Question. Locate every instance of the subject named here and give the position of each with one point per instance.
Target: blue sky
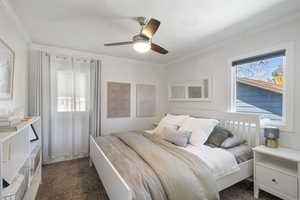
(260, 70)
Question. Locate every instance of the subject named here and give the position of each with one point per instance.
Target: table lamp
(271, 136)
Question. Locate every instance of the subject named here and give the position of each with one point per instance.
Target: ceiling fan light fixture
(142, 42)
(142, 46)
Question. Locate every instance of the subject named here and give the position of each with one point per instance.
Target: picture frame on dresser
(7, 62)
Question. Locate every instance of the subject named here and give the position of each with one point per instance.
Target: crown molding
(11, 13)
(83, 53)
(237, 36)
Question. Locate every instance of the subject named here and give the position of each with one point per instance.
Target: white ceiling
(186, 26)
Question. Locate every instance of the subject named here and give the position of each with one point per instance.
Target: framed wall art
(118, 100)
(191, 91)
(145, 100)
(7, 60)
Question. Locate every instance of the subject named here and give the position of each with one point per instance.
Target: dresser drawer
(277, 180)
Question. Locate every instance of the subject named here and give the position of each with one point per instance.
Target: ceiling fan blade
(118, 43)
(158, 49)
(150, 28)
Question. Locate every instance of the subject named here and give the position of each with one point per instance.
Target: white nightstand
(277, 171)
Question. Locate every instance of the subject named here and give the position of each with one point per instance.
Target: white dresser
(277, 171)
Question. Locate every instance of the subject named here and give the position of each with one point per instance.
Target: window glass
(65, 101)
(177, 92)
(259, 86)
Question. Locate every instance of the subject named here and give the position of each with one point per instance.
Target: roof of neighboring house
(261, 84)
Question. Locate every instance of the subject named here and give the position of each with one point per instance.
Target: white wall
(134, 72)
(129, 71)
(12, 37)
(215, 62)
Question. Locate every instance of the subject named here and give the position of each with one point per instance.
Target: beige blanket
(158, 170)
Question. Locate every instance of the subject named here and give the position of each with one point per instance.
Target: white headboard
(247, 126)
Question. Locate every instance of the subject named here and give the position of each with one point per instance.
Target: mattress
(242, 153)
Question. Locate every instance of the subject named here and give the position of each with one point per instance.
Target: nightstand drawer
(277, 180)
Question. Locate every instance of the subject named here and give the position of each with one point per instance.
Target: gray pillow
(232, 142)
(179, 138)
(218, 136)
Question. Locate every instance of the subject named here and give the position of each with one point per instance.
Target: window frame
(287, 123)
(188, 84)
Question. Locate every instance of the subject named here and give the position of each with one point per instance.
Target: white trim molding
(287, 124)
(82, 53)
(239, 36)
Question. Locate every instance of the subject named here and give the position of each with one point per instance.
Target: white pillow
(200, 128)
(170, 121)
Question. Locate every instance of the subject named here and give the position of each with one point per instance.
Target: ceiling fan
(142, 42)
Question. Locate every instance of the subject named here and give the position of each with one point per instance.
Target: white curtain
(60, 92)
(70, 93)
(95, 109)
(39, 94)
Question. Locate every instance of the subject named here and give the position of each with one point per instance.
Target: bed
(244, 125)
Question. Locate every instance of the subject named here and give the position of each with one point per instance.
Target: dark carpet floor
(75, 180)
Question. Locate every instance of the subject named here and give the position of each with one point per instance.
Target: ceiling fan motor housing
(140, 38)
(142, 20)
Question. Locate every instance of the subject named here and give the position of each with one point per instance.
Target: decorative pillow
(200, 128)
(171, 121)
(232, 142)
(179, 138)
(176, 119)
(212, 145)
(218, 136)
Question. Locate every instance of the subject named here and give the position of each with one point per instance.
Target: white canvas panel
(145, 100)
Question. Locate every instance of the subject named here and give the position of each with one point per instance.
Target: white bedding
(150, 131)
(220, 161)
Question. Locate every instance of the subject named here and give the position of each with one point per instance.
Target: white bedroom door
(70, 87)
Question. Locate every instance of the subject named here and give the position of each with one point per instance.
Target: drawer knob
(274, 180)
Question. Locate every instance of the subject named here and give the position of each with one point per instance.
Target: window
(64, 90)
(259, 85)
(72, 91)
(199, 90)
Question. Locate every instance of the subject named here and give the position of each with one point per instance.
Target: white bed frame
(244, 125)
